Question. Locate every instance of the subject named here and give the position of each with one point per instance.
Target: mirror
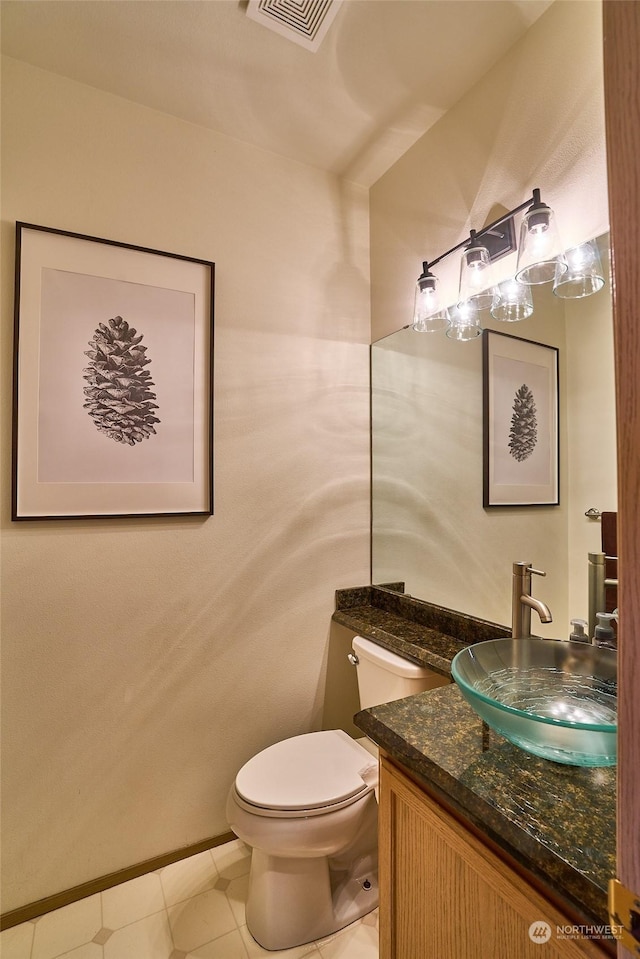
(429, 527)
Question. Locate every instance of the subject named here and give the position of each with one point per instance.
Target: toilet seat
(306, 775)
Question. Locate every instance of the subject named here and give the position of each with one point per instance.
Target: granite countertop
(423, 633)
(557, 822)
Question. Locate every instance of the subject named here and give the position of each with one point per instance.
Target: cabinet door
(444, 895)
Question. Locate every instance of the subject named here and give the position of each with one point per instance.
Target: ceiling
(385, 72)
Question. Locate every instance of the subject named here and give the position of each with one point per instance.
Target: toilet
(307, 807)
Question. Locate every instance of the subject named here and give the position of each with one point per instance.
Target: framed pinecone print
(113, 379)
(520, 419)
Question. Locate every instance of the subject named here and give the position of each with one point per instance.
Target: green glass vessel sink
(554, 699)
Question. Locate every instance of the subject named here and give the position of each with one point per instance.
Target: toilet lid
(306, 772)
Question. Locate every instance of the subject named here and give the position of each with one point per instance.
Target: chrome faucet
(522, 602)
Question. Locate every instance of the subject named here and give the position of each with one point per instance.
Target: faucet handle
(524, 570)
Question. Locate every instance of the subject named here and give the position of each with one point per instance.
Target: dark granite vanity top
(422, 632)
(557, 822)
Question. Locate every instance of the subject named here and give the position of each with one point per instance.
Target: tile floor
(193, 909)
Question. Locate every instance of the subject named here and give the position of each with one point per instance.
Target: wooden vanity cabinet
(445, 895)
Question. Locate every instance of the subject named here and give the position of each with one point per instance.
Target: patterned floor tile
(237, 897)
(89, 951)
(67, 928)
(189, 877)
(16, 943)
(193, 909)
(149, 938)
(357, 941)
(133, 900)
(230, 946)
(254, 951)
(201, 919)
(233, 859)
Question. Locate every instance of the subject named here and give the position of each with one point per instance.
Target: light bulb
(582, 275)
(464, 322)
(539, 250)
(514, 302)
(476, 282)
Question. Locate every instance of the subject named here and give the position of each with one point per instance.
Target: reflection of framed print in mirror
(113, 379)
(520, 422)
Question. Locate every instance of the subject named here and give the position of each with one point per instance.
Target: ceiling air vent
(304, 21)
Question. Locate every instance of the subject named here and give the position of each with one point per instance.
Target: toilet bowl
(307, 807)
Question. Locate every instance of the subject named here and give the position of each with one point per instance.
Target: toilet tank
(384, 676)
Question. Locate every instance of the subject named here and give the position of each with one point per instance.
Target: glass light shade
(435, 323)
(540, 249)
(514, 303)
(584, 274)
(464, 323)
(427, 299)
(476, 281)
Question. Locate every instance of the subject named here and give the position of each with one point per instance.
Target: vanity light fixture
(540, 250)
(476, 286)
(583, 274)
(428, 317)
(435, 323)
(514, 302)
(464, 322)
(540, 260)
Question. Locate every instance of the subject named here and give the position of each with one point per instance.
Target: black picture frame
(113, 379)
(520, 422)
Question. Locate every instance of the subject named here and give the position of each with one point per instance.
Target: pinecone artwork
(523, 434)
(119, 398)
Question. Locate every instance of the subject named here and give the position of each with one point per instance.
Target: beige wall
(145, 661)
(535, 120)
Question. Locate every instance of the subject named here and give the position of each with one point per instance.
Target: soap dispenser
(578, 634)
(604, 633)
